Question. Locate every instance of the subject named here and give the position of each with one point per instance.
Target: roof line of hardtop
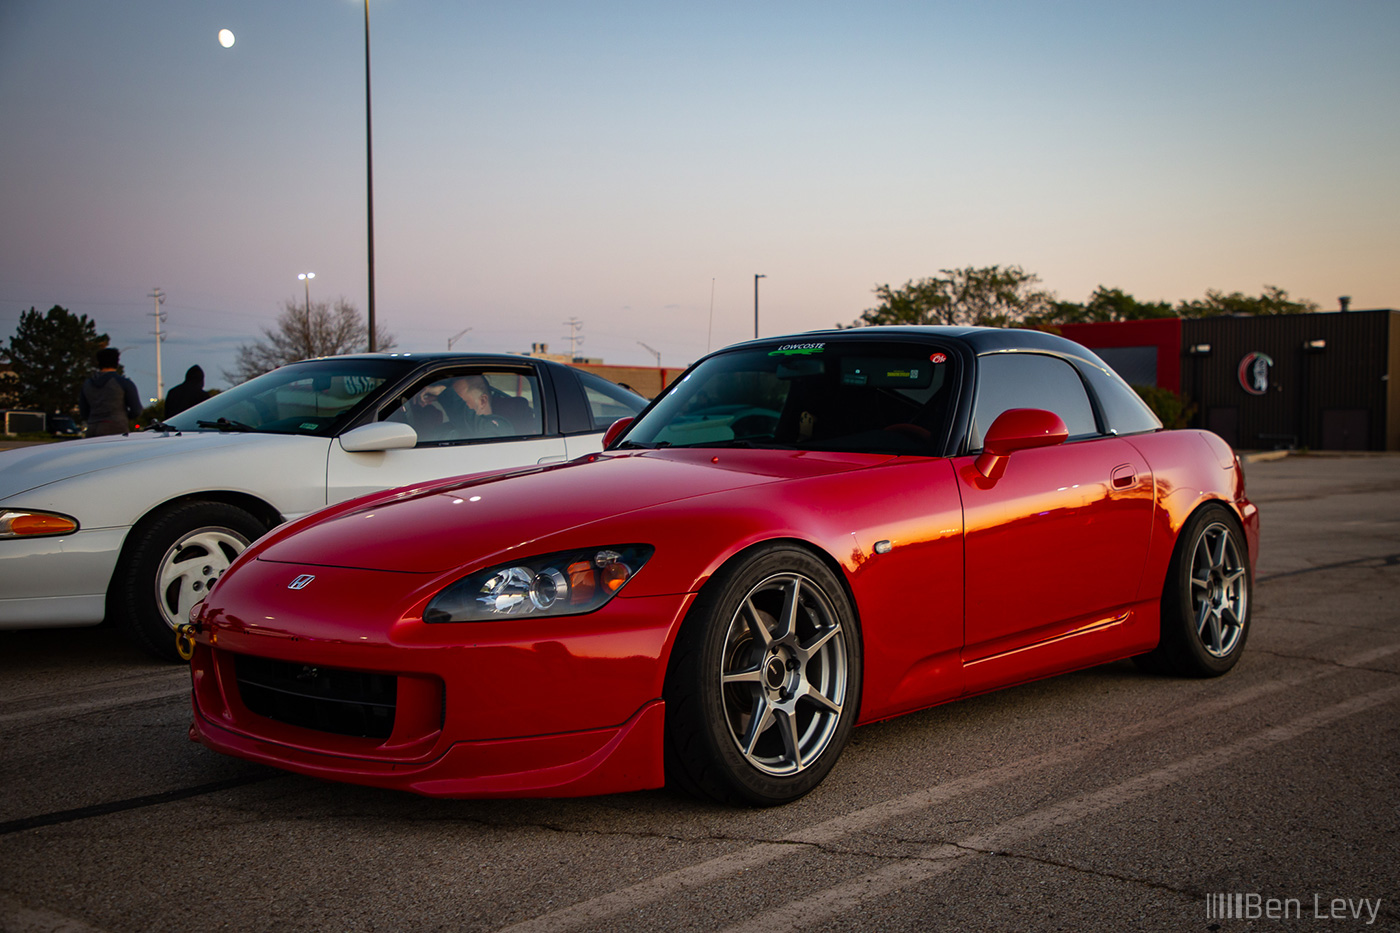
(977, 339)
(432, 356)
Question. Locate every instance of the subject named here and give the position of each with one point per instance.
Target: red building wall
(1162, 333)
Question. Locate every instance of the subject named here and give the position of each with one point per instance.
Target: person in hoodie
(108, 401)
(187, 394)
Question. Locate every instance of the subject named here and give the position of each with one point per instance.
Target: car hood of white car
(23, 469)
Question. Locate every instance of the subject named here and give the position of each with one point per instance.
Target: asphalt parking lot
(1103, 800)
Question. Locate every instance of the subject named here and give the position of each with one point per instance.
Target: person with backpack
(108, 401)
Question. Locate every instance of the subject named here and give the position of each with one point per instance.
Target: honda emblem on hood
(301, 581)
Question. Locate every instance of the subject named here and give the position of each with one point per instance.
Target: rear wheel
(1206, 599)
(764, 683)
(173, 559)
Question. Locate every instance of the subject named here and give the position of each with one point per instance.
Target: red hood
(471, 521)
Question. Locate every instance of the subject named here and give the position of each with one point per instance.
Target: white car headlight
(561, 584)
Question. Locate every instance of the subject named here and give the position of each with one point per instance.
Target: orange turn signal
(28, 524)
(615, 574)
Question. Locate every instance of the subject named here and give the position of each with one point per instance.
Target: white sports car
(137, 527)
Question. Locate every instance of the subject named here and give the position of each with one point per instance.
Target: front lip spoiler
(597, 761)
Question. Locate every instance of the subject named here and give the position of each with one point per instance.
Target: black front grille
(322, 698)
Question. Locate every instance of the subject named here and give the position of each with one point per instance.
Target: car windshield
(314, 397)
(851, 395)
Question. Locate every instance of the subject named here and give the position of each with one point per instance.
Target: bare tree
(304, 332)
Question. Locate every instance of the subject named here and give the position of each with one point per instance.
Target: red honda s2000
(800, 535)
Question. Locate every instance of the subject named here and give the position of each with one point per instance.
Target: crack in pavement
(1387, 560)
(1328, 661)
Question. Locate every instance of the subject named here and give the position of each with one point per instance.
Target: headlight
(565, 583)
(22, 523)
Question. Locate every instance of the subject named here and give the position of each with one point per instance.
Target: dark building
(1318, 380)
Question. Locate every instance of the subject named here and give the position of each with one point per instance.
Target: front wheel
(168, 566)
(764, 683)
(1206, 599)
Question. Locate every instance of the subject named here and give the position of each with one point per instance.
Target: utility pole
(575, 339)
(159, 315)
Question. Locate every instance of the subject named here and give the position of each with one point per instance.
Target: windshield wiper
(635, 445)
(224, 424)
(162, 426)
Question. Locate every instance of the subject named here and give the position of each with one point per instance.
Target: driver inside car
(478, 417)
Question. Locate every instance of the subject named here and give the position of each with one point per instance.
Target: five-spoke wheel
(191, 566)
(170, 560)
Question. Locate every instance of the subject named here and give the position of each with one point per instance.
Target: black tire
(1206, 600)
(171, 559)
(802, 678)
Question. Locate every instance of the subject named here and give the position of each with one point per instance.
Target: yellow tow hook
(185, 632)
(184, 639)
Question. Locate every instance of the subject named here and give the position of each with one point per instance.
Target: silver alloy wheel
(1219, 591)
(191, 566)
(785, 674)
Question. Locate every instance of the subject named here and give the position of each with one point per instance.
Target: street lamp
(653, 351)
(457, 336)
(755, 304)
(306, 278)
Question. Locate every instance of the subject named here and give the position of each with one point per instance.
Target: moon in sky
(226, 38)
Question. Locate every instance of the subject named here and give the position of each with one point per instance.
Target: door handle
(559, 459)
(1124, 476)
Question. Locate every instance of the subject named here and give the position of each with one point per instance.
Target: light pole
(457, 336)
(653, 351)
(755, 304)
(306, 278)
(369, 181)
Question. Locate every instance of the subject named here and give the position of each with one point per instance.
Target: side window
(1030, 380)
(466, 405)
(1123, 409)
(607, 401)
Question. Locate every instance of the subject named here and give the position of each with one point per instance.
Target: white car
(137, 527)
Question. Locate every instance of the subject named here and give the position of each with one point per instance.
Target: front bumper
(546, 707)
(57, 581)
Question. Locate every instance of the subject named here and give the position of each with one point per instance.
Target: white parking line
(936, 860)
(655, 889)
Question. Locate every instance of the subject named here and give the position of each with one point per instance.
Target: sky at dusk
(634, 165)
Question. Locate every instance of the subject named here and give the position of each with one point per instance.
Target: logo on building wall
(1254, 372)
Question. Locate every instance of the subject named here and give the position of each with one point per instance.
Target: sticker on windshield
(939, 358)
(884, 372)
(798, 349)
(308, 426)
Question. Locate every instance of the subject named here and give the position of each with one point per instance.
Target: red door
(1054, 549)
